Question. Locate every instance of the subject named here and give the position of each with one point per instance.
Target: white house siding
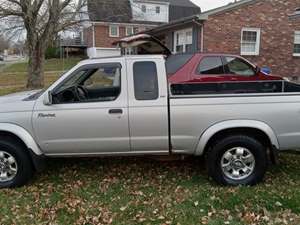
(150, 14)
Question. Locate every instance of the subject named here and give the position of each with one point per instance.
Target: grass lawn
(50, 65)
(13, 77)
(143, 191)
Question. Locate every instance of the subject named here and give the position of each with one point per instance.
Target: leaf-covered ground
(145, 191)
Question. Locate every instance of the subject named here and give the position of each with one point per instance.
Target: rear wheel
(237, 160)
(15, 165)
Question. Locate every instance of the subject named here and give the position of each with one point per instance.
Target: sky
(210, 4)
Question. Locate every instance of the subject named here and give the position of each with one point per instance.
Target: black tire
(25, 168)
(219, 148)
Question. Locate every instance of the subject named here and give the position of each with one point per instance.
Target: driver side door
(91, 126)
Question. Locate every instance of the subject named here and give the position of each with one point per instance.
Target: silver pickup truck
(124, 106)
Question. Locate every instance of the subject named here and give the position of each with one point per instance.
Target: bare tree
(40, 21)
(18, 47)
(4, 44)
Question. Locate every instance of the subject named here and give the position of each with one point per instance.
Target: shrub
(52, 52)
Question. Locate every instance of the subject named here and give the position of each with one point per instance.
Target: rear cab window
(145, 80)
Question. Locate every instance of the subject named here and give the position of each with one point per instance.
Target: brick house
(111, 20)
(267, 32)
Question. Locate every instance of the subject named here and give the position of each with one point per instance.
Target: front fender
(23, 134)
(230, 124)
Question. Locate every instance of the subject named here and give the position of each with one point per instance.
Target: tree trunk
(36, 63)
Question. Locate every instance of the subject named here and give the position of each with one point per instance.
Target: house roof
(110, 10)
(176, 23)
(119, 11)
(184, 3)
(229, 7)
(182, 8)
(239, 3)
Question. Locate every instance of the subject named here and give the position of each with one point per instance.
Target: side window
(104, 77)
(91, 83)
(211, 65)
(237, 66)
(145, 81)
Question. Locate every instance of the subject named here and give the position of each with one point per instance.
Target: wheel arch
(23, 135)
(256, 128)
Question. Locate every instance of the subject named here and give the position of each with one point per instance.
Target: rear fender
(231, 124)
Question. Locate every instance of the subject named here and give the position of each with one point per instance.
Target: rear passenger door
(148, 110)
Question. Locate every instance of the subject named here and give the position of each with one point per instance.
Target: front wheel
(15, 165)
(237, 160)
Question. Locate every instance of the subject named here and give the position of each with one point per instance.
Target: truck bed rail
(240, 88)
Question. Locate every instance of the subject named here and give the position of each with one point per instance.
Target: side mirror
(48, 98)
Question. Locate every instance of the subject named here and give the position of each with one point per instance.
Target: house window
(297, 43)
(136, 30)
(157, 9)
(129, 31)
(183, 41)
(144, 9)
(250, 41)
(113, 31)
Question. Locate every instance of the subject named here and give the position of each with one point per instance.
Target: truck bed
(195, 109)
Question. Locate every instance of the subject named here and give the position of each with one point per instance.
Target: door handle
(115, 111)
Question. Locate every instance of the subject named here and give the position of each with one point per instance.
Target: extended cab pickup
(124, 106)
